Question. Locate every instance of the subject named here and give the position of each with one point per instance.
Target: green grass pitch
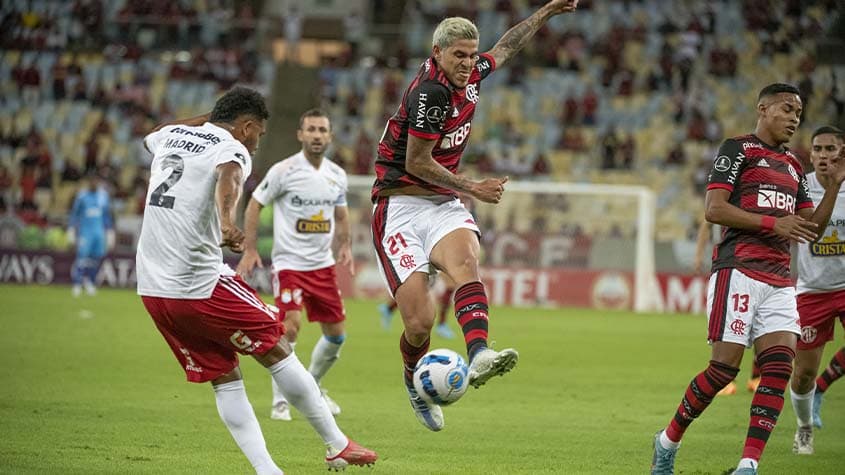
(88, 386)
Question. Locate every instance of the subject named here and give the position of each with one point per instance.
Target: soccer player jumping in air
(758, 191)
(418, 220)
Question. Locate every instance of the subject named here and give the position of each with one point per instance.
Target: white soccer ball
(441, 377)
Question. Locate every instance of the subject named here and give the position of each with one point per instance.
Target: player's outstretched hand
(563, 6)
(248, 262)
(489, 190)
(233, 238)
(796, 228)
(837, 165)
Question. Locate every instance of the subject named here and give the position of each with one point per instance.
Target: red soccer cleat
(353, 454)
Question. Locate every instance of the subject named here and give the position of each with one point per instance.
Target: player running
(418, 221)
(204, 311)
(308, 194)
(821, 282)
(758, 191)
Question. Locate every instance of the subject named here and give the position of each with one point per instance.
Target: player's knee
(776, 361)
(803, 379)
(418, 328)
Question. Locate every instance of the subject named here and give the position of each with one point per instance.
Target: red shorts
(818, 312)
(206, 335)
(315, 289)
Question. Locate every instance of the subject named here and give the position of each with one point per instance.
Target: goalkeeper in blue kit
(91, 229)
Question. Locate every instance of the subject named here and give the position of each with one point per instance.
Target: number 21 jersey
(179, 253)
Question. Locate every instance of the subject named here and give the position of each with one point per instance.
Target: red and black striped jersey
(762, 180)
(433, 109)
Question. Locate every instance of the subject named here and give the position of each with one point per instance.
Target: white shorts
(741, 309)
(406, 229)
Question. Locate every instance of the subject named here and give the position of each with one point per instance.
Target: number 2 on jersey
(394, 241)
(157, 197)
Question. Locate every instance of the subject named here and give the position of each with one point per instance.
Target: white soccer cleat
(280, 412)
(488, 363)
(803, 443)
(333, 407)
(89, 288)
(429, 415)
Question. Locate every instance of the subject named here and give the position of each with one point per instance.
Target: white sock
(802, 404)
(323, 357)
(748, 463)
(303, 393)
(668, 443)
(277, 393)
(236, 412)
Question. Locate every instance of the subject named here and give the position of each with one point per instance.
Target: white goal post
(644, 272)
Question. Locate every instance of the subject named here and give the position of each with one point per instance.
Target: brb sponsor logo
(738, 327)
(456, 137)
(773, 199)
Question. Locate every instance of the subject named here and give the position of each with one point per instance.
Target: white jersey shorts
(741, 309)
(406, 229)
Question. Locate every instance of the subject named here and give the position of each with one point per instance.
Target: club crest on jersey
(472, 93)
(828, 246)
(792, 172)
(316, 224)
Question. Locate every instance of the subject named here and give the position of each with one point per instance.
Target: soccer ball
(441, 377)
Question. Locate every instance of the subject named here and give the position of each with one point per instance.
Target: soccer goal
(548, 244)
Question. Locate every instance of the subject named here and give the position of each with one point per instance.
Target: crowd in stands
(627, 92)
(85, 80)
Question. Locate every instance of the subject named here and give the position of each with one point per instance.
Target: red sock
(471, 310)
(411, 354)
(835, 369)
(699, 394)
(775, 370)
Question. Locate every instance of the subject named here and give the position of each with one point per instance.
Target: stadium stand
(643, 95)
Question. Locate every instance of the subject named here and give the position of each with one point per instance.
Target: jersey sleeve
(803, 200)
(235, 152)
(153, 139)
(726, 167)
(427, 106)
(344, 188)
(270, 187)
(485, 65)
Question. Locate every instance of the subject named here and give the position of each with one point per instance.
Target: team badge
(808, 334)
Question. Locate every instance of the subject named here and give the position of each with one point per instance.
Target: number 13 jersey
(179, 253)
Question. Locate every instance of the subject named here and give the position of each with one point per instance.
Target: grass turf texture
(89, 386)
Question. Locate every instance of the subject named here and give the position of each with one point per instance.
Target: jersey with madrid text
(433, 109)
(765, 181)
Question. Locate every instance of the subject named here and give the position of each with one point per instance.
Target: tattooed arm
(226, 195)
(517, 37)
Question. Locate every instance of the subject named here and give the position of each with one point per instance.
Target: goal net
(546, 244)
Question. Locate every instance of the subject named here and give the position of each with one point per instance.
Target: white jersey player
(821, 285)
(308, 195)
(206, 313)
